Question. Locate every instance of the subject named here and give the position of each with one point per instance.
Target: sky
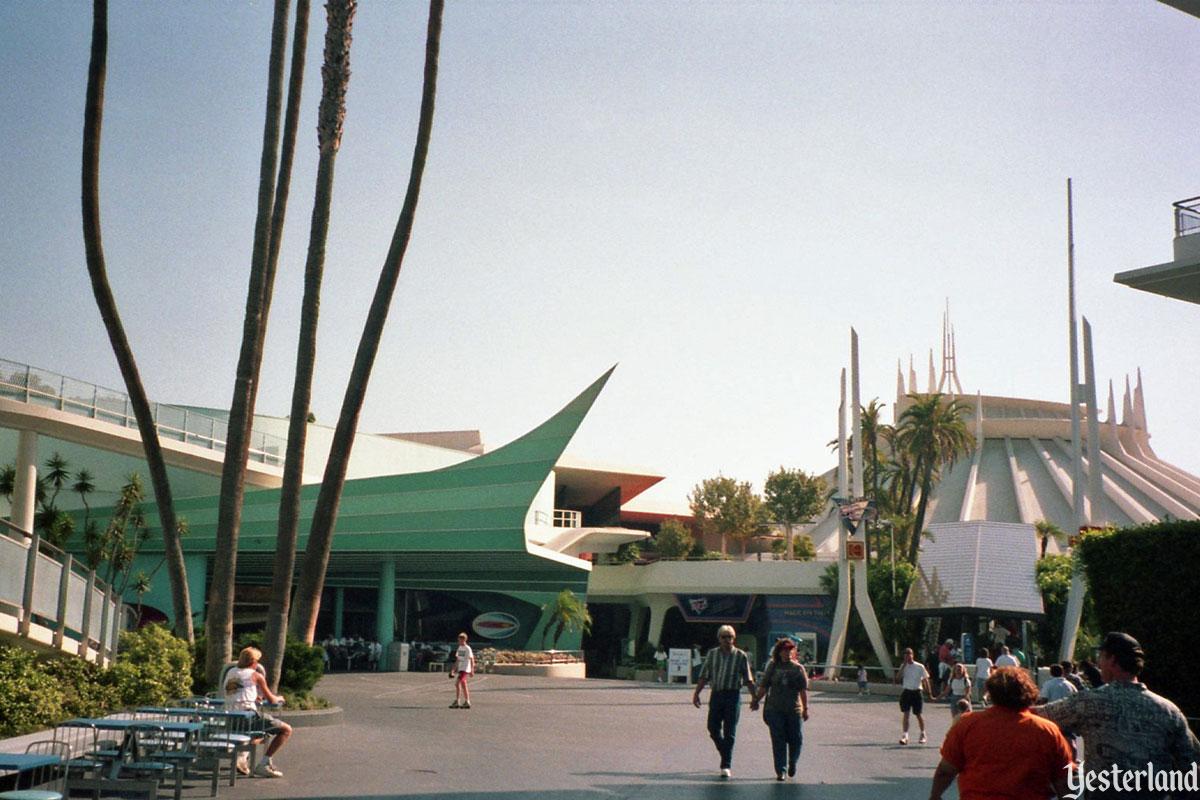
(708, 195)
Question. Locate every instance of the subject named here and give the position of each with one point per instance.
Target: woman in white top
(958, 687)
(464, 665)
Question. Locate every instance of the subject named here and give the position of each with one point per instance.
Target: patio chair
(47, 782)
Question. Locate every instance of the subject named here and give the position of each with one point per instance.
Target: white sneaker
(923, 738)
(265, 770)
(904, 739)
(726, 772)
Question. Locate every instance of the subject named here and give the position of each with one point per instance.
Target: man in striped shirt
(728, 669)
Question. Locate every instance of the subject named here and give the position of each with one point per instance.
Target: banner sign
(495, 625)
(854, 511)
(714, 607)
(794, 614)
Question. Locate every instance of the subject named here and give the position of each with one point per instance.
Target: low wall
(572, 670)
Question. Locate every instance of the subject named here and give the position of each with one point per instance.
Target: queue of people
(351, 652)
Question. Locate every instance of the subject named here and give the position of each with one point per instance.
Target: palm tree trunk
(336, 77)
(914, 546)
(106, 303)
(219, 617)
(320, 540)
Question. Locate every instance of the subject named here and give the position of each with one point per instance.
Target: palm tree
(219, 618)
(1045, 529)
(83, 486)
(140, 585)
(934, 435)
(8, 481)
(567, 613)
(335, 79)
(58, 472)
(107, 305)
(303, 620)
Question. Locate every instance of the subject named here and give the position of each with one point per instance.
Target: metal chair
(47, 782)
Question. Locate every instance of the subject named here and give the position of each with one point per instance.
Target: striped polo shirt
(724, 672)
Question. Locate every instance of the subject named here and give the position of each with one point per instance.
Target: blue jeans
(723, 710)
(785, 739)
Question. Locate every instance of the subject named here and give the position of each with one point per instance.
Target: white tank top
(246, 693)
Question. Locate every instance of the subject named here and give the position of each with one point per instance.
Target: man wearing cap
(1125, 727)
(728, 669)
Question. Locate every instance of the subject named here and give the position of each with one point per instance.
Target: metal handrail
(1187, 216)
(36, 386)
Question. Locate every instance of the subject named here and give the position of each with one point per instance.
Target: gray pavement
(567, 739)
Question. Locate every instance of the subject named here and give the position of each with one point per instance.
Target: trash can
(397, 657)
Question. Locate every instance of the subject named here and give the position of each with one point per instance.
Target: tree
(1045, 529)
(58, 472)
(726, 507)
(567, 613)
(332, 112)
(84, 485)
(673, 541)
(933, 433)
(792, 497)
(803, 548)
(8, 481)
(106, 303)
(303, 620)
(114, 549)
(268, 227)
(140, 584)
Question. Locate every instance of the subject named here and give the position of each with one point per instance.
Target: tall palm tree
(58, 472)
(8, 481)
(567, 613)
(303, 619)
(332, 113)
(933, 433)
(98, 272)
(269, 217)
(84, 485)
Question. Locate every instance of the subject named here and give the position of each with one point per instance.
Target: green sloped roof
(478, 505)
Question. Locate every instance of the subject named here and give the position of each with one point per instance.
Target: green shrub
(29, 698)
(303, 665)
(152, 668)
(1138, 578)
(85, 692)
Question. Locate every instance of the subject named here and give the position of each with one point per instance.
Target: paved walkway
(557, 739)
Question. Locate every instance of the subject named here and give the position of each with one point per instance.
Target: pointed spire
(912, 376)
(899, 382)
(856, 464)
(1127, 406)
(933, 384)
(843, 478)
(1139, 403)
(1112, 404)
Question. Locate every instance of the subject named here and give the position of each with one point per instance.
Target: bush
(29, 698)
(85, 690)
(803, 548)
(153, 667)
(303, 665)
(673, 540)
(1138, 578)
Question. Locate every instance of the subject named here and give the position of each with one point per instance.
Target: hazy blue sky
(709, 194)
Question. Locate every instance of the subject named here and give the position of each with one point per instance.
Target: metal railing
(44, 586)
(39, 387)
(1187, 216)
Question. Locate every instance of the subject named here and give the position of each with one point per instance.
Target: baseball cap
(1122, 644)
(786, 643)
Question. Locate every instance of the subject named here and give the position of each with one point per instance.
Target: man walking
(914, 679)
(728, 669)
(1124, 725)
(1007, 659)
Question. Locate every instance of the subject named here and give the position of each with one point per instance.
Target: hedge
(1140, 579)
(37, 692)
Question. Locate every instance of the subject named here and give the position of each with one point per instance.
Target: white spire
(1127, 406)
(932, 374)
(1112, 404)
(912, 376)
(1139, 403)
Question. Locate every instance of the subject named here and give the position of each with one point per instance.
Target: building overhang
(1176, 279)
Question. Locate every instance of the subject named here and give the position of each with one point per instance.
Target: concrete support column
(339, 606)
(637, 614)
(385, 609)
(658, 613)
(25, 485)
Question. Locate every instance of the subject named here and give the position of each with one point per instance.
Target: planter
(575, 669)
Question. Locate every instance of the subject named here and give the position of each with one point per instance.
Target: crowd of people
(1023, 742)
(351, 652)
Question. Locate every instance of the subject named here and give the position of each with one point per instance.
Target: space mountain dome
(1020, 469)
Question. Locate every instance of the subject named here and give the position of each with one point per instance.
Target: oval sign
(495, 625)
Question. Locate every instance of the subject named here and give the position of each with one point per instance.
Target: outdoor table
(129, 728)
(13, 765)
